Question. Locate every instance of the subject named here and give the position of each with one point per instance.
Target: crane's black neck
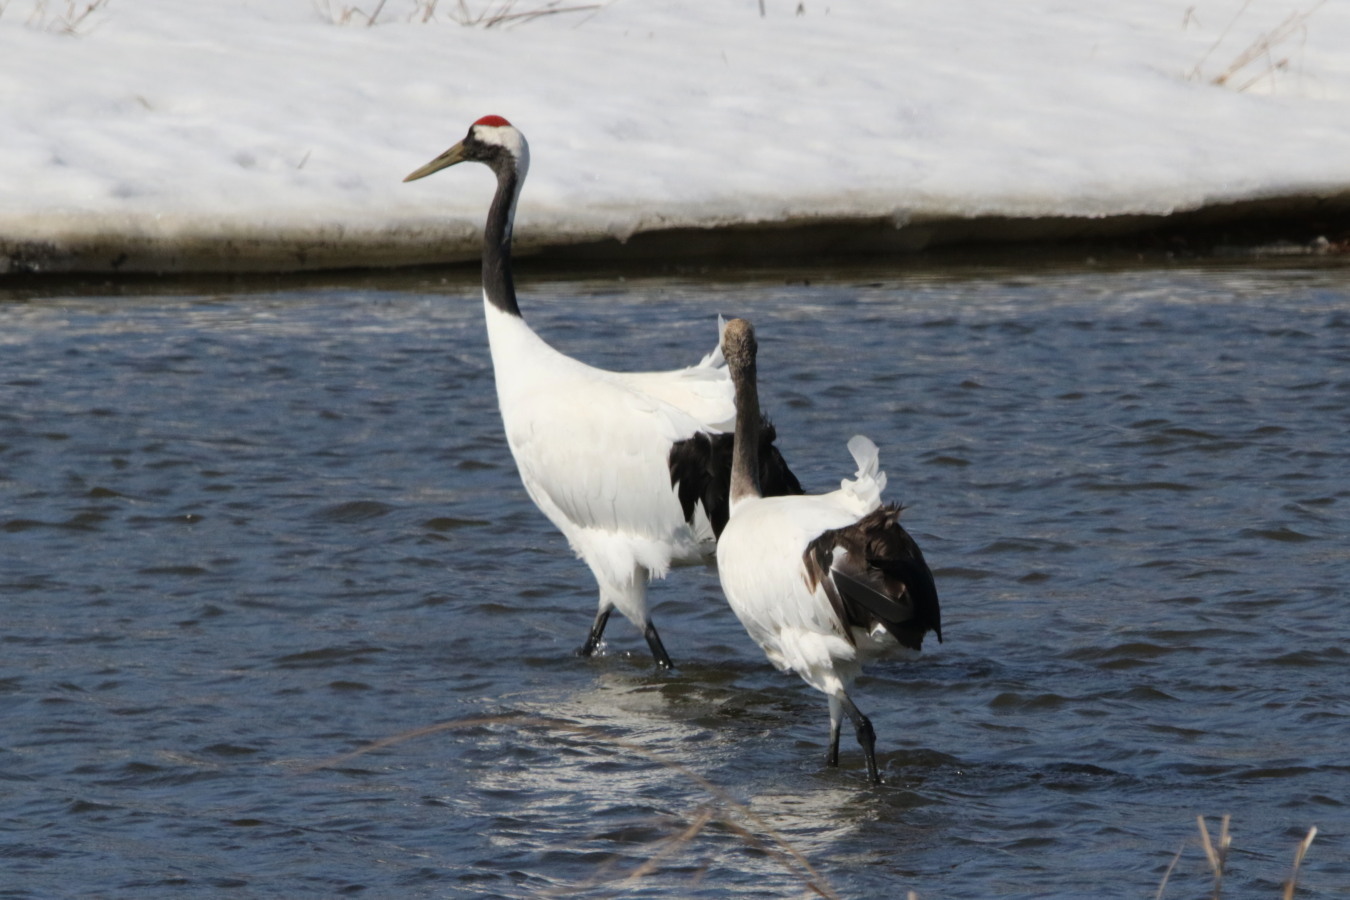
(498, 284)
(745, 452)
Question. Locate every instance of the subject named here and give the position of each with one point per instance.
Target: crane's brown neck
(745, 453)
(498, 284)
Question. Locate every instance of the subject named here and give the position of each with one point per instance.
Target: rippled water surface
(246, 534)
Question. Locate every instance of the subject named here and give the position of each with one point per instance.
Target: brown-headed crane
(824, 582)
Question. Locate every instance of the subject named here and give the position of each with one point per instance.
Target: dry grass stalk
(340, 16)
(1217, 856)
(1162, 886)
(1216, 853)
(68, 21)
(672, 845)
(1223, 35)
(767, 839)
(345, 15)
(426, 10)
(376, 14)
(676, 843)
(1262, 48)
(507, 12)
(1292, 883)
(483, 13)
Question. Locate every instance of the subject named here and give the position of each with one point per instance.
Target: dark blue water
(243, 535)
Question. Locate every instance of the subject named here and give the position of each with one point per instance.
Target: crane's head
(491, 140)
(739, 345)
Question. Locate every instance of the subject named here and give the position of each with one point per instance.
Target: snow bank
(248, 134)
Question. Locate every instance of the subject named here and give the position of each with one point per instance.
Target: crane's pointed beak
(454, 155)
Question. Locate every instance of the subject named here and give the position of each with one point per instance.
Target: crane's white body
(592, 446)
(760, 560)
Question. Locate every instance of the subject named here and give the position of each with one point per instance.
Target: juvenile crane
(632, 467)
(823, 583)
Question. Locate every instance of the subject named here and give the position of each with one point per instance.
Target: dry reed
(68, 20)
(479, 14)
(1262, 47)
(1216, 854)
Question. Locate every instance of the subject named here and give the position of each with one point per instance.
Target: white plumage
(823, 583)
(796, 626)
(592, 447)
(601, 453)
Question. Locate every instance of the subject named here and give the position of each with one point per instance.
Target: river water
(278, 620)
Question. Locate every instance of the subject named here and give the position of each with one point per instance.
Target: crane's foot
(836, 713)
(658, 649)
(597, 632)
(867, 737)
(832, 754)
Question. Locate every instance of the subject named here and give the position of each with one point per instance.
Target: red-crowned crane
(632, 467)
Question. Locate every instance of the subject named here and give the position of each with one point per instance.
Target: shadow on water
(247, 531)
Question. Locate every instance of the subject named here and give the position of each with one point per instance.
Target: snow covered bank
(1285, 225)
(250, 135)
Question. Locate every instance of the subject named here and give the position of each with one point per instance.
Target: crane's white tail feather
(702, 391)
(866, 487)
(715, 359)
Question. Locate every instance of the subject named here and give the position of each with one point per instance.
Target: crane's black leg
(867, 738)
(836, 713)
(597, 632)
(658, 650)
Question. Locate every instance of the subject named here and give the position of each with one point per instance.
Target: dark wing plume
(880, 578)
(700, 470)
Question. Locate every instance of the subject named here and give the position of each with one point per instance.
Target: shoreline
(1294, 225)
